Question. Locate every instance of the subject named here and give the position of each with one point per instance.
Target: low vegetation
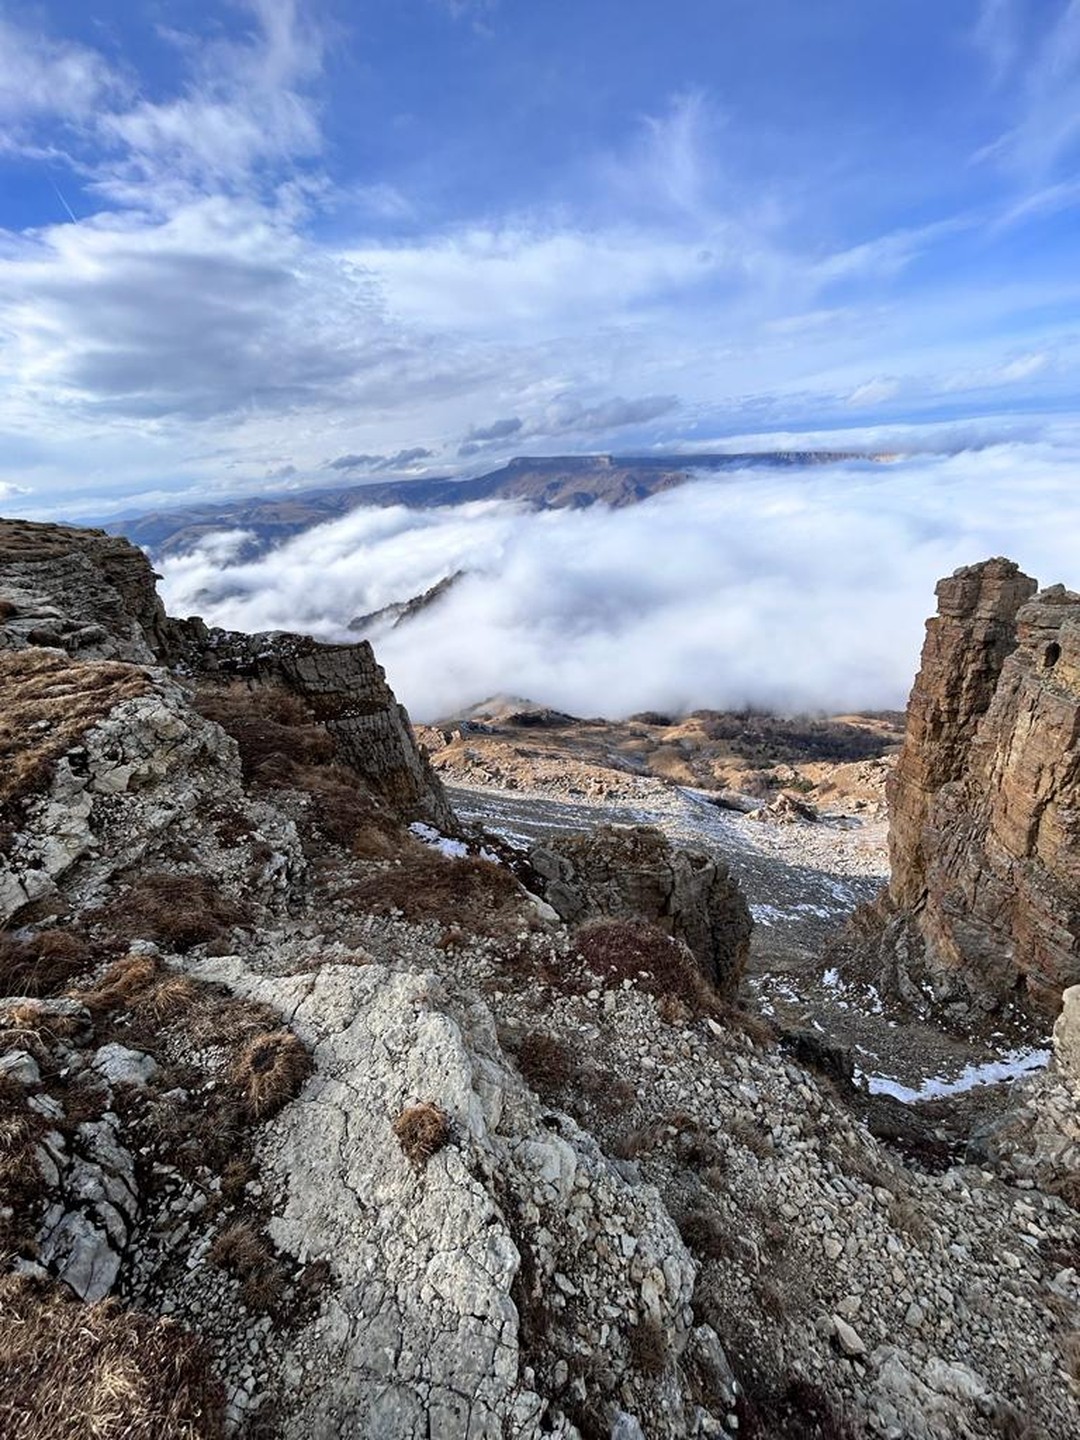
(283, 746)
(49, 702)
(476, 895)
(41, 963)
(246, 1254)
(175, 910)
(636, 950)
(270, 1071)
(422, 1131)
(97, 1372)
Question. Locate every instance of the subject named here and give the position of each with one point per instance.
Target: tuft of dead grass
(177, 911)
(704, 1234)
(268, 723)
(246, 1254)
(422, 1130)
(546, 1062)
(97, 1372)
(40, 964)
(49, 702)
(906, 1215)
(637, 950)
(21, 1185)
(270, 1071)
(474, 894)
(648, 1347)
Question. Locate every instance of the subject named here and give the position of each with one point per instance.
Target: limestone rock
(628, 871)
(83, 591)
(453, 1278)
(151, 770)
(346, 691)
(87, 1227)
(984, 901)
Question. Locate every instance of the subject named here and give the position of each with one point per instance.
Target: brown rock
(346, 690)
(635, 871)
(984, 900)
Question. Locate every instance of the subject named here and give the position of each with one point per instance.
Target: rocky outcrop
(983, 906)
(967, 644)
(148, 777)
(93, 596)
(82, 591)
(506, 1267)
(345, 690)
(629, 872)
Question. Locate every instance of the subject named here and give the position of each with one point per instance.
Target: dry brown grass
(41, 964)
(1070, 1350)
(247, 1255)
(175, 910)
(648, 1347)
(95, 1372)
(282, 746)
(422, 1130)
(906, 1215)
(48, 704)
(546, 1062)
(750, 1136)
(474, 894)
(270, 1071)
(704, 1234)
(21, 1184)
(636, 950)
(267, 722)
(122, 984)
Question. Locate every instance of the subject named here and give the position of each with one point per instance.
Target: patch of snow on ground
(766, 914)
(454, 849)
(1010, 1066)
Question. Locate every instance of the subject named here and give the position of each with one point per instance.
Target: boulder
(628, 872)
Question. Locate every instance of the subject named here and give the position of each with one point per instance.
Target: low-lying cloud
(800, 590)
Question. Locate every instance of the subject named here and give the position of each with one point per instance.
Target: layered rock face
(82, 591)
(93, 596)
(630, 872)
(984, 901)
(345, 689)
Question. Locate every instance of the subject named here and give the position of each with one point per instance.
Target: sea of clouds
(797, 591)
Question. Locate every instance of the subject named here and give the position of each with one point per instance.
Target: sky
(790, 590)
(249, 245)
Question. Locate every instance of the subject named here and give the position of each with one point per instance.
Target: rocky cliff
(983, 906)
(93, 596)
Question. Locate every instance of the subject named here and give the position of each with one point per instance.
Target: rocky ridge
(981, 909)
(409, 1157)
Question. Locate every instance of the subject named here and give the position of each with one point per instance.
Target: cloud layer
(801, 590)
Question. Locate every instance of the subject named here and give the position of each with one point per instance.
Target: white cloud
(874, 392)
(1046, 60)
(42, 77)
(794, 590)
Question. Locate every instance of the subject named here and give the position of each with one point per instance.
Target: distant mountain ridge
(547, 482)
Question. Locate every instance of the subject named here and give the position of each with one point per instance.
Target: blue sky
(248, 244)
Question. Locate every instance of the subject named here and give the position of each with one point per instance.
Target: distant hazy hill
(555, 482)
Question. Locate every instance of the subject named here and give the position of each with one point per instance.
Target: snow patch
(1011, 1066)
(454, 849)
